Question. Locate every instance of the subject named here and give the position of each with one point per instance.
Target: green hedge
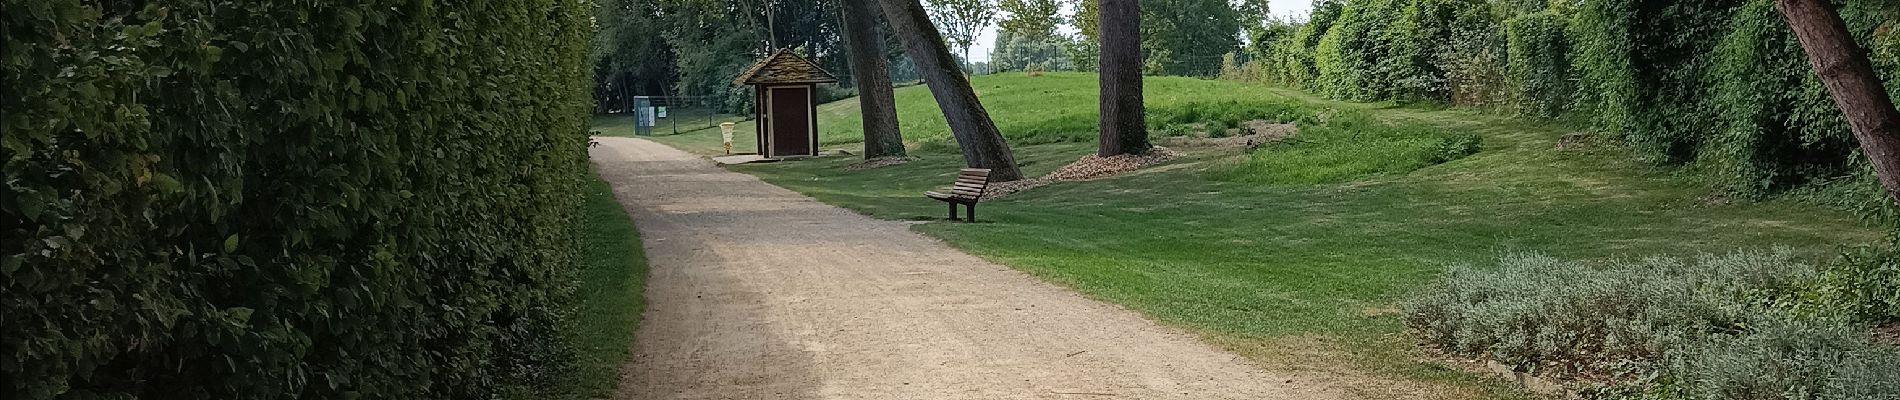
(277, 199)
(1539, 63)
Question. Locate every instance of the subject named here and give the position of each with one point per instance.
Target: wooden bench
(967, 191)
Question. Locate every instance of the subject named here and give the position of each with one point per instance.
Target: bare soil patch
(1888, 334)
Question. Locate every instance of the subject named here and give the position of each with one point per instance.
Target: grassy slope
(612, 276)
(1279, 271)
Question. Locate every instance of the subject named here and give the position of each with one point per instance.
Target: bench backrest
(970, 183)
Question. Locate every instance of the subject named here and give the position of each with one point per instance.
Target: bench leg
(953, 210)
(972, 207)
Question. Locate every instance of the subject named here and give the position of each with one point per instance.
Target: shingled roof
(784, 66)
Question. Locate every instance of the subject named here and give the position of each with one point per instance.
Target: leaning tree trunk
(1849, 76)
(881, 136)
(1124, 129)
(982, 145)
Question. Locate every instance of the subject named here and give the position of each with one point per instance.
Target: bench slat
(968, 186)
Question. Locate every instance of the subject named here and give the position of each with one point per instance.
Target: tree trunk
(1123, 123)
(1849, 76)
(881, 136)
(982, 145)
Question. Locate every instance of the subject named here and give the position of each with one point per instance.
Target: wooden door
(791, 120)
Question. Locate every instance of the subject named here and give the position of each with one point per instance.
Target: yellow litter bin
(725, 133)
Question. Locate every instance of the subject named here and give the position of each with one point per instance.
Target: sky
(986, 40)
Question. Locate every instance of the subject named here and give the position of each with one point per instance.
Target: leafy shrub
(1539, 66)
(1348, 55)
(1719, 84)
(1475, 73)
(1455, 146)
(272, 199)
(1864, 284)
(1708, 328)
(1423, 41)
(738, 100)
(1777, 127)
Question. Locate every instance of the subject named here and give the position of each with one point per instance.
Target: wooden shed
(786, 103)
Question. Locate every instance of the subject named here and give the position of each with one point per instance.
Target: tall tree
(1085, 51)
(1178, 37)
(959, 21)
(982, 145)
(1026, 36)
(630, 57)
(1021, 52)
(1259, 26)
(1030, 17)
(1124, 129)
(1188, 37)
(1849, 76)
(881, 136)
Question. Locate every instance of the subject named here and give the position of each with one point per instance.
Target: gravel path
(758, 292)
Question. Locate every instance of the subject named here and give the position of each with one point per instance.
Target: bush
(1777, 127)
(273, 199)
(1348, 55)
(1717, 84)
(1542, 314)
(1538, 65)
(1711, 328)
(1784, 359)
(1864, 284)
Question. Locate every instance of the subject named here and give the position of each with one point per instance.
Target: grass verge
(612, 278)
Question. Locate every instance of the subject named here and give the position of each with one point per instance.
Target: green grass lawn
(1295, 254)
(612, 277)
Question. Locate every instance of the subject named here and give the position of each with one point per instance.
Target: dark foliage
(1716, 84)
(275, 199)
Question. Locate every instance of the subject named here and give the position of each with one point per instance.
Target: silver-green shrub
(1541, 314)
(1711, 327)
(1781, 357)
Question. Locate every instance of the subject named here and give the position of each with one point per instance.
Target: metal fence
(674, 114)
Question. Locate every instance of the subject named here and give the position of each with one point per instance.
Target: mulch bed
(1888, 334)
(1088, 167)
